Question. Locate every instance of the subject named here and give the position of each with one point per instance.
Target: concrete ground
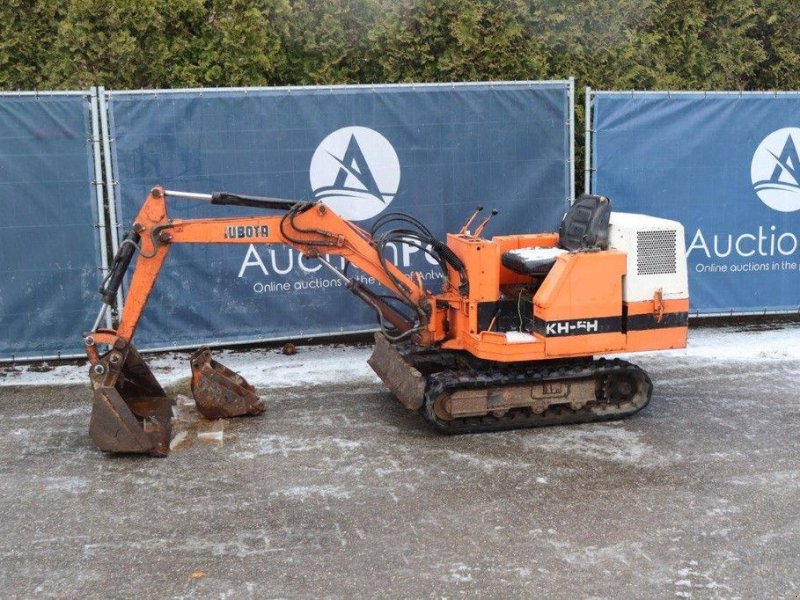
(339, 492)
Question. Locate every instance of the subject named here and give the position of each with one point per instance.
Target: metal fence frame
(101, 226)
(108, 224)
(98, 183)
(112, 184)
(571, 128)
(589, 162)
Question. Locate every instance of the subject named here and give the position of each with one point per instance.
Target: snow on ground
(740, 343)
(312, 365)
(327, 364)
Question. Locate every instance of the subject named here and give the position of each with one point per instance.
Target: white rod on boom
(189, 195)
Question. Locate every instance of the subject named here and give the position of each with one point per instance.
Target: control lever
(466, 225)
(484, 223)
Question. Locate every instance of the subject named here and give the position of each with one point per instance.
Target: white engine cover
(656, 251)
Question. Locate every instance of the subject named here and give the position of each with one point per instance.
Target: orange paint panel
(142, 283)
(493, 346)
(581, 285)
(584, 345)
(246, 230)
(482, 263)
(652, 329)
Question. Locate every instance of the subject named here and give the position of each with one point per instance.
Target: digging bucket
(130, 412)
(219, 392)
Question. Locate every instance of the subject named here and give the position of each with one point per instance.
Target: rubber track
(519, 418)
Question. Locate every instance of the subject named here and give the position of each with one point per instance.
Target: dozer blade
(219, 392)
(405, 382)
(130, 412)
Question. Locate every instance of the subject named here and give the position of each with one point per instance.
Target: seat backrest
(585, 226)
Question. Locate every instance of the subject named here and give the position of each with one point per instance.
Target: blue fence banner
(726, 165)
(49, 245)
(434, 151)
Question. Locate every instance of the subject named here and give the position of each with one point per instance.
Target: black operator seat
(584, 227)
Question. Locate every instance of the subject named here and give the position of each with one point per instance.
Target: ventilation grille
(655, 251)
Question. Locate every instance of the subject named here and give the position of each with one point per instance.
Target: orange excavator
(510, 341)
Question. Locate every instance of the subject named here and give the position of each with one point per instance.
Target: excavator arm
(131, 412)
(311, 228)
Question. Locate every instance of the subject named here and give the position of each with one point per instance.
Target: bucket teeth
(219, 392)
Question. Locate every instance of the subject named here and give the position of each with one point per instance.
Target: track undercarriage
(457, 393)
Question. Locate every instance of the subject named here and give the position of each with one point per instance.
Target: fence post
(587, 156)
(98, 186)
(111, 192)
(571, 198)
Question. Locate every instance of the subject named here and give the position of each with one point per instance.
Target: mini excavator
(509, 342)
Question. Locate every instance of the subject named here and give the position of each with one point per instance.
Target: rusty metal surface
(130, 411)
(538, 397)
(405, 382)
(219, 392)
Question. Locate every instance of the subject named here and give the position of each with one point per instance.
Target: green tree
(622, 44)
(592, 40)
(699, 44)
(243, 43)
(456, 40)
(778, 32)
(169, 43)
(27, 30)
(327, 42)
(125, 43)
